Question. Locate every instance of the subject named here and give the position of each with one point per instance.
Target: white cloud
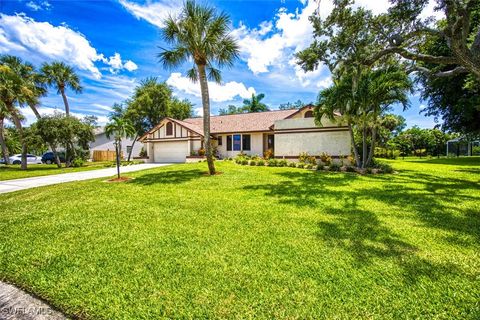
(116, 64)
(198, 111)
(152, 12)
(218, 92)
(38, 5)
(43, 41)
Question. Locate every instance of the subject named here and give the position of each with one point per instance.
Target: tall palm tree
(18, 87)
(119, 128)
(200, 34)
(61, 76)
(3, 144)
(254, 104)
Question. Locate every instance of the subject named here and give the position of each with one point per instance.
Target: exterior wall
(301, 113)
(256, 145)
(103, 143)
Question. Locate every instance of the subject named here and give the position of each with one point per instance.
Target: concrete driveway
(27, 183)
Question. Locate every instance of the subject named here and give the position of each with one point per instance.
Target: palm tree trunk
(372, 145)
(206, 117)
(65, 101)
(18, 125)
(2, 142)
(364, 147)
(131, 149)
(354, 146)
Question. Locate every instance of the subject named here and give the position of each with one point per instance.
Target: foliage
(255, 104)
(325, 158)
(201, 152)
(268, 154)
(415, 139)
(282, 163)
(252, 163)
(231, 109)
(306, 158)
(78, 162)
(260, 162)
(291, 106)
(300, 165)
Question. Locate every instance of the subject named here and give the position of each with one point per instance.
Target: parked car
(31, 159)
(49, 157)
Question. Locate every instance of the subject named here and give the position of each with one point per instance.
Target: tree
(18, 87)
(180, 109)
(61, 76)
(119, 128)
(3, 144)
(255, 104)
(200, 34)
(231, 109)
(289, 106)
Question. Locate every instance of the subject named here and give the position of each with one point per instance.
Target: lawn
(253, 242)
(8, 172)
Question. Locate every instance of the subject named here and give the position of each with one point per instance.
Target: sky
(113, 45)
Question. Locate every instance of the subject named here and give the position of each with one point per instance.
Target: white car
(31, 159)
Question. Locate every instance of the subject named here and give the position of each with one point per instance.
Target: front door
(271, 142)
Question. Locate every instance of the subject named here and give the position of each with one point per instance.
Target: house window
(246, 142)
(219, 139)
(237, 142)
(229, 143)
(169, 129)
(308, 114)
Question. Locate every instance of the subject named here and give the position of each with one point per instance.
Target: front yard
(252, 242)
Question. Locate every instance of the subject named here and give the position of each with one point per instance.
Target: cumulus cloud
(43, 41)
(38, 5)
(152, 12)
(218, 92)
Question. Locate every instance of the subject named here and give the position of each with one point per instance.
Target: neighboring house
(105, 144)
(286, 132)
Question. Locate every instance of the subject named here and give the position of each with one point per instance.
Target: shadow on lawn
(432, 200)
(168, 177)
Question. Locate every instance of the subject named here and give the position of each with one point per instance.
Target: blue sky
(113, 46)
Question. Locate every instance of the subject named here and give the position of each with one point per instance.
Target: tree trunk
(131, 149)
(65, 101)
(206, 117)
(364, 147)
(2, 142)
(372, 146)
(117, 150)
(53, 147)
(18, 125)
(354, 146)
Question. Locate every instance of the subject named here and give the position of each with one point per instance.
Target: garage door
(171, 151)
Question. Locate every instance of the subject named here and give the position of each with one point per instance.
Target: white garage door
(171, 151)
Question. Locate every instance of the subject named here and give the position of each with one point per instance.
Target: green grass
(8, 172)
(253, 242)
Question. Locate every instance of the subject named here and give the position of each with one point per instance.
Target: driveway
(27, 183)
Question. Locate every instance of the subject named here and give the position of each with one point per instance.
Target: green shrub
(350, 169)
(244, 162)
(282, 163)
(326, 158)
(260, 162)
(335, 166)
(385, 167)
(272, 163)
(300, 165)
(292, 164)
(268, 154)
(252, 163)
(308, 166)
(78, 162)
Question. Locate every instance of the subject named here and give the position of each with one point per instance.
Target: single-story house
(286, 132)
(103, 143)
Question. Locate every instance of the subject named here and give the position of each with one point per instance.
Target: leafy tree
(255, 104)
(231, 109)
(61, 76)
(180, 109)
(18, 88)
(119, 128)
(201, 34)
(289, 106)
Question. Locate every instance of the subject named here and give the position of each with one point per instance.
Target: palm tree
(61, 76)
(119, 128)
(3, 115)
(254, 104)
(200, 34)
(18, 87)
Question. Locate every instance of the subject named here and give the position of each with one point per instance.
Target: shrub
(260, 162)
(78, 162)
(315, 167)
(292, 164)
(326, 158)
(252, 163)
(143, 152)
(244, 162)
(308, 166)
(302, 157)
(282, 163)
(350, 169)
(351, 160)
(201, 152)
(335, 166)
(272, 163)
(300, 165)
(385, 167)
(268, 154)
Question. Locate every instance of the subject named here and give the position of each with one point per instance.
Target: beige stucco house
(286, 132)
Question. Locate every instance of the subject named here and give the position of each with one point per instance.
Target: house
(286, 132)
(103, 143)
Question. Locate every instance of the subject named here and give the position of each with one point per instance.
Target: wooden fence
(105, 155)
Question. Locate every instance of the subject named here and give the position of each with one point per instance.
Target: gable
(171, 129)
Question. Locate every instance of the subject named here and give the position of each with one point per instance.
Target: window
(219, 139)
(129, 149)
(246, 142)
(229, 143)
(237, 142)
(169, 129)
(308, 114)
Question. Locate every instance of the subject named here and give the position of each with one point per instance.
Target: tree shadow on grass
(168, 177)
(462, 161)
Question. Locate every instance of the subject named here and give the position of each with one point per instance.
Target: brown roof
(243, 122)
